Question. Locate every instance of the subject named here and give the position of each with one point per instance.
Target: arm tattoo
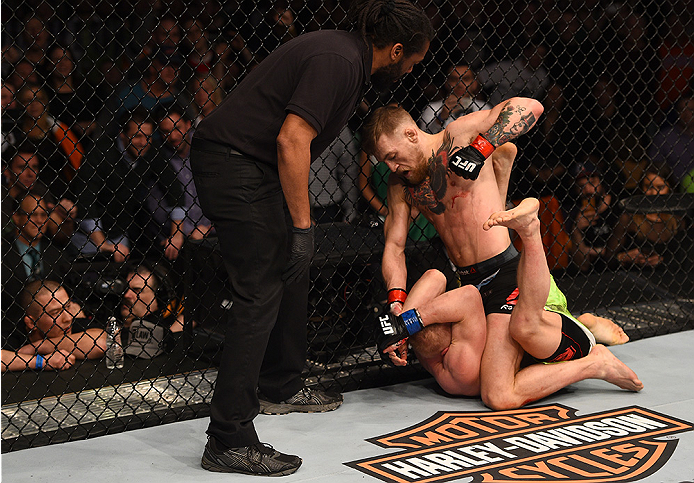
(429, 192)
(504, 130)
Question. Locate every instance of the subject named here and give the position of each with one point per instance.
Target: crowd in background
(98, 111)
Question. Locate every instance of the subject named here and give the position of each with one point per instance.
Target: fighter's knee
(435, 276)
(523, 328)
(497, 400)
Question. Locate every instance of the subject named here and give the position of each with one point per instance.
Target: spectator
(540, 167)
(674, 145)
(24, 73)
(593, 217)
(151, 296)
(676, 55)
(166, 37)
(279, 27)
(20, 175)
(10, 112)
(642, 239)
(26, 252)
(157, 88)
(461, 91)
(235, 60)
(177, 131)
(524, 77)
(56, 330)
(57, 361)
(207, 94)
(71, 99)
(55, 143)
(112, 186)
(35, 40)
(633, 57)
(200, 56)
(332, 181)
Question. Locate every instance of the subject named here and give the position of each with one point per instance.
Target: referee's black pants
(265, 342)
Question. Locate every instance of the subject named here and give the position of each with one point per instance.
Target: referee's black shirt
(320, 76)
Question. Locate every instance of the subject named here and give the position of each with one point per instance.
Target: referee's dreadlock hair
(385, 22)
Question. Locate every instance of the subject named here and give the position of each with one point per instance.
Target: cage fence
(99, 99)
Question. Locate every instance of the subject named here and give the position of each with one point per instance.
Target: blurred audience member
(177, 131)
(632, 62)
(332, 181)
(151, 296)
(279, 27)
(643, 239)
(24, 73)
(676, 55)
(541, 165)
(112, 186)
(156, 89)
(20, 176)
(52, 322)
(10, 112)
(460, 91)
(57, 361)
(199, 54)
(26, 252)
(166, 37)
(71, 99)
(206, 94)
(524, 77)
(593, 218)
(235, 59)
(674, 145)
(35, 40)
(56, 144)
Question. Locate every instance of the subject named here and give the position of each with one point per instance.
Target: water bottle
(114, 347)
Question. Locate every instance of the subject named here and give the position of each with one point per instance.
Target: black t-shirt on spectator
(320, 76)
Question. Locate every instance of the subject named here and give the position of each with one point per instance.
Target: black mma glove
(393, 330)
(303, 246)
(467, 162)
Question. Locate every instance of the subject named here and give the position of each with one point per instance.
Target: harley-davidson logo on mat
(542, 444)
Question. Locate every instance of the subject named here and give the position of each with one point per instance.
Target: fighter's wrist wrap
(412, 320)
(396, 295)
(483, 146)
(39, 361)
(467, 162)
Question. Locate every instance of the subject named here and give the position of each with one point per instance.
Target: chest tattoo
(429, 193)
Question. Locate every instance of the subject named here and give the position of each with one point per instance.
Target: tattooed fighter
(458, 179)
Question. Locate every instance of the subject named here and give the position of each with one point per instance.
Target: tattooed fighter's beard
(418, 174)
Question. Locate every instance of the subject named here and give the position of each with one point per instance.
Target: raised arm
(490, 129)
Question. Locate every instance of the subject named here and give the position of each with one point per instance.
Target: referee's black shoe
(258, 459)
(307, 400)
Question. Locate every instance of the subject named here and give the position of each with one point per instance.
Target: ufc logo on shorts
(464, 165)
(385, 325)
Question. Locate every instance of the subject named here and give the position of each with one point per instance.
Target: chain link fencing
(97, 101)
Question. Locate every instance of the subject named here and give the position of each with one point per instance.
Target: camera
(110, 286)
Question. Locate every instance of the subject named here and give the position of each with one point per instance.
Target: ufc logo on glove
(385, 325)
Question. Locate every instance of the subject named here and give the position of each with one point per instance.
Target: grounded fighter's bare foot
(605, 331)
(615, 371)
(523, 218)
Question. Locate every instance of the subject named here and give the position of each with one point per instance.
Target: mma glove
(303, 247)
(467, 162)
(393, 330)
